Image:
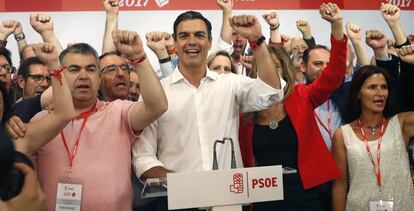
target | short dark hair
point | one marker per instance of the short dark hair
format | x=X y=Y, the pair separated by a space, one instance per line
x=79 y=48
x=308 y=50
x=6 y=53
x=24 y=67
x=117 y=53
x=191 y=15
x=359 y=77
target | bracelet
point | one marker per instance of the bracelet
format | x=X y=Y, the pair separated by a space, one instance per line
x=3 y=43
x=164 y=60
x=272 y=28
x=137 y=60
x=57 y=73
x=276 y=43
x=19 y=36
x=171 y=51
x=256 y=43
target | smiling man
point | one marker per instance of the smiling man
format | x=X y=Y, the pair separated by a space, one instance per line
x=204 y=106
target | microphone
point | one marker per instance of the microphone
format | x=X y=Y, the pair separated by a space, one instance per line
x=233 y=157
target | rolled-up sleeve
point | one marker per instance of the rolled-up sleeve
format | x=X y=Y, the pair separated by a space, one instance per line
x=255 y=94
x=144 y=150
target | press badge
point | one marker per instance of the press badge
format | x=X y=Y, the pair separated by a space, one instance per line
x=68 y=197
x=381 y=205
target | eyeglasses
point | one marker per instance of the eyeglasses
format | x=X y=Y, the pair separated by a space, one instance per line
x=7 y=68
x=111 y=69
x=38 y=78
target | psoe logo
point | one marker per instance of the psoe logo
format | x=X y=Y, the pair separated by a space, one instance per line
x=237 y=186
x=162 y=3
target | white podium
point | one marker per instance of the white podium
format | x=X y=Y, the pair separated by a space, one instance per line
x=227 y=190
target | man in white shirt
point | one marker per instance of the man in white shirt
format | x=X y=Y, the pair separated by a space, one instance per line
x=203 y=105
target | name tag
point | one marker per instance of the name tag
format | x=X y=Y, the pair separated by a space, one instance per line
x=68 y=197
x=381 y=205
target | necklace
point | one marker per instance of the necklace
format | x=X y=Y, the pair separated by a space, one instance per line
x=373 y=129
x=273 y=123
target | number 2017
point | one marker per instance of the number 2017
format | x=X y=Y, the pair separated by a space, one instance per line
x=400 y=3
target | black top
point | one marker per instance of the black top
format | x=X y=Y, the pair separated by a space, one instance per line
x=280 y=147
x=27 y=109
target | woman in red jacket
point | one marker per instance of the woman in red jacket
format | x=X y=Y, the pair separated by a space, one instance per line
x=287 y=134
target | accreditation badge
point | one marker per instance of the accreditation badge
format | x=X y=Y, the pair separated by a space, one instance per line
x=381 y=205
x=68 y=195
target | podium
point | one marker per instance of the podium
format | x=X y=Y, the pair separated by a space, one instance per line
x=219 y=190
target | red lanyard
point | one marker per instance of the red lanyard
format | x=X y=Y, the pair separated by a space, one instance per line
x=377 y=170
x=75 y=148
x=327 y=128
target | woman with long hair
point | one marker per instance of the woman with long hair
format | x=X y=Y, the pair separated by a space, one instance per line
x=371 y=150
x=287 y=133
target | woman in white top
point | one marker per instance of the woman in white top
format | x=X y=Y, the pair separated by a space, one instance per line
x=373 y=140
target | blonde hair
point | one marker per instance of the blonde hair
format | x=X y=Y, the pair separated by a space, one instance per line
x=212 y=56
x=276 y=52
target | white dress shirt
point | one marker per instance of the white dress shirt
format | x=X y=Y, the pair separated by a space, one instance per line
x=182 y=139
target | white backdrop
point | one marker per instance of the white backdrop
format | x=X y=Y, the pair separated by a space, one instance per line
x=88 y=27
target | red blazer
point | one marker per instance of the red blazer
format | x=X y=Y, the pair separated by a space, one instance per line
x=315 y=162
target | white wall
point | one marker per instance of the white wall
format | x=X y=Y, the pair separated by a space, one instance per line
x=89 y=26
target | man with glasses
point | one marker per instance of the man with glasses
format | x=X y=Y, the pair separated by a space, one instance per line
x=114 y=77
x=6 y=67
x=33 y=77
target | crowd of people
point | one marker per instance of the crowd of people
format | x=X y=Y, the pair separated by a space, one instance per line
x=102 y=124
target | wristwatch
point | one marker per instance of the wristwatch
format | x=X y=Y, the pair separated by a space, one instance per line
x=19 y=36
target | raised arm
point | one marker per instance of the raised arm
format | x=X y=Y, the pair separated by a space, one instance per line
x=249 y=27
x=7 y=27
x=157 y=43
x=354 y=33
x=20 y=38
x=111 y=24
x=391 y=15
x=42 y=23
x=154 y=100
x=332 y=75
x=272 y=20
x=226 y=30
x=339 y=185
x=376 y=40
x=305 y=28
x=40 y=132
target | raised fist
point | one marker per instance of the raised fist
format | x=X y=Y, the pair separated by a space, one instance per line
x=41 y=23
x=271 y=18
x=390 y=13
x=48 y=54
x=330 y=12
x=156 y=41
x=247 y=26
x=128 y=43
x=7 y=27
x=406 y=53
x=353 y=31
x=225 y=5
x=111 y=6
x=303 y=26
x=375 y=39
